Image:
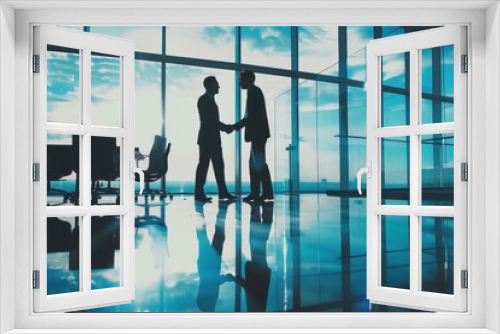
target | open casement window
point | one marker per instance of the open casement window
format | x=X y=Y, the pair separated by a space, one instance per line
x=417 y=155
x=84 y=182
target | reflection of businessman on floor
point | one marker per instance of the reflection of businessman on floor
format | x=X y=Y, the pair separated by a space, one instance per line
x=256 y=133
x=257 y=271
x=210 y=258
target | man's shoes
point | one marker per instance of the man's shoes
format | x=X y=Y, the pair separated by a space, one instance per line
x=251 y=197
x=203 y=198
x=227 y=196
x=266 y=197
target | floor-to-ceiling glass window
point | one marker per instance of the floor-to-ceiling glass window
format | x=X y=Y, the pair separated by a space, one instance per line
x=267 y=47
x=184 y=85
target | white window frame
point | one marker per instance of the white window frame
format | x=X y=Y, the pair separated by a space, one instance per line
x=483 y=212
x=414 y=43
x=86 y=43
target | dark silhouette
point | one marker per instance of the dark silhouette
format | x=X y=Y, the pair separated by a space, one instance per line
x=209 y=258
x=105 y=166
x=257 y=271
x=59 y=165
x=158 y=167
x=256 y=133
x=209 y=142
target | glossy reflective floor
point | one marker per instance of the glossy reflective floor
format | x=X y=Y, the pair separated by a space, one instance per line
x=303 y=253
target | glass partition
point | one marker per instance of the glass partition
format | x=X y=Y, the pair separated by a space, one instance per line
x=282 y=142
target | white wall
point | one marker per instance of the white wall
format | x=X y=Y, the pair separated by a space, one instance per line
x=484 y=217
x=492 y=152
x=7 y=162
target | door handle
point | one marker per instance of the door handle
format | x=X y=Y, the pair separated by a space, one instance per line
x=139 y=171
x=368 y=171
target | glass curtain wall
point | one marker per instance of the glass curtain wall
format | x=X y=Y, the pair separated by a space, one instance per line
x=329 y=67
x=313 y=80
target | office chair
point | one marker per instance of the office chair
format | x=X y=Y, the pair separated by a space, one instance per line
x=105 y=166
x=158 y=167
x=58 y=235
x=59 y=165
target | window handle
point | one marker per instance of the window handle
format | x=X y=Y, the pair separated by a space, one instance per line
x=139 y=171
x=368 y=171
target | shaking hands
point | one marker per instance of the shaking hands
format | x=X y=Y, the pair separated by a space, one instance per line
x=228 y=128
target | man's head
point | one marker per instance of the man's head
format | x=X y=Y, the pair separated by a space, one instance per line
x=247 y=78
x=211 y=85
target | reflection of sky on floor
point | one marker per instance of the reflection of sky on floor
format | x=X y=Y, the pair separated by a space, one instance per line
x=238 y=258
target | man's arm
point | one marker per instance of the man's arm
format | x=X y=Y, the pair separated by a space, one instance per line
x=238 y=125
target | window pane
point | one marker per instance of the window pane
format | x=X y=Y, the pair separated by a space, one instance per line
x=437 y=84
x=395 y=109
x=149 y=118
x=318 y=146
x=266 y=46
x=282 y=135
x=105 y=252
x=62 y=168
x=105 y=170
x=184 y=87
x=392 y=31
x=357 y=38
x=395 y=170
x=395 y=97
x=328 y=125
x=395 y=254
x=356 y=133
x=63 y=85
x=308 y=143
x=63 y=261
x=318 y=49
x=437 y=254
x=145 y=38
x=437 y=169
x=210 y=42
x=272 y=86
x=106 y=90
x=394 y=69
x=356 y=112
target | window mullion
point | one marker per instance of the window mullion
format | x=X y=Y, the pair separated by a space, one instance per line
x=85 y=179
x=415 y=188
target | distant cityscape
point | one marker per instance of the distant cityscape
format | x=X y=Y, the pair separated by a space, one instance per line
x=187 y=186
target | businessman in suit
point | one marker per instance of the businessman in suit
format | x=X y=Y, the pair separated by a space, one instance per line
x=256 y=133
x=209 y=143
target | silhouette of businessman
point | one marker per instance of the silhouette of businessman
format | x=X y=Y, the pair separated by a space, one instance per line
x=210 y=258
x=209 y=142
x=256 y=133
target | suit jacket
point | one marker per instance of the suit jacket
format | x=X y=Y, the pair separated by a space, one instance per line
x=255 y=120
x=210 y=124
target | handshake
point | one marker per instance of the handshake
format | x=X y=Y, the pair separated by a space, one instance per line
x=228 y=128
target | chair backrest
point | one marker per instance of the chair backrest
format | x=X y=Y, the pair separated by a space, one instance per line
x=59 y=161
x=104 y=162
x=76 y=154
x=158 y=158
